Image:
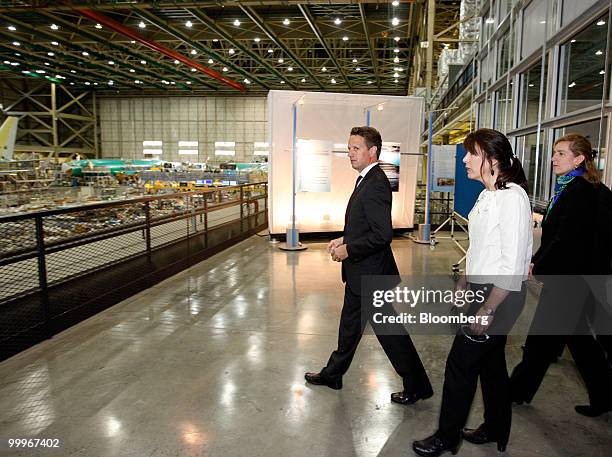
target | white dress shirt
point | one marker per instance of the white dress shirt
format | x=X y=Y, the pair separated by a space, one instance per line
x=500 y=238
x=364 y=172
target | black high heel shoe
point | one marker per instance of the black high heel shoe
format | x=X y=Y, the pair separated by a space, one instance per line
x=481 y=436
x=434 y=446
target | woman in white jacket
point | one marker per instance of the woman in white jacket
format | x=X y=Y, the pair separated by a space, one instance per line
x=497 y=263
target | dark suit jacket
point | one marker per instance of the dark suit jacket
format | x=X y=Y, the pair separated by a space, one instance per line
x=368 y=231
x=568 y=233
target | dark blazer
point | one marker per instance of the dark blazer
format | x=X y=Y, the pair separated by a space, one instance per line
x=368 y=230
x=568 y=233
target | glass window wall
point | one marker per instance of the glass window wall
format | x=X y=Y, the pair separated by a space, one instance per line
x=503 y=110
x=528 y=151
x=530 y=95
x=582 y=67
x=534 y=27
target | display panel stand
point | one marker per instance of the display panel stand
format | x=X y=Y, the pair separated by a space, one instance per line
x=293 y=237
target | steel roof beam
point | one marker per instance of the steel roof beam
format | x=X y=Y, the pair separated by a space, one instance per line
x=210 y=23
x=259 y=22
x=151 y=44
x=373 y=52
x=122 y=49
x=166 y=27
x=310 y=19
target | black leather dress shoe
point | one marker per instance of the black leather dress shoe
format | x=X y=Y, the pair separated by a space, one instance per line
x=404 y=398
x=481 y=436
x=434 y=446
x=321 y=380
x=592 y=411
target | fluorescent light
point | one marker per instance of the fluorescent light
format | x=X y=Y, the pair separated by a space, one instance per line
x=395 y=21
x=303 y=80
x=281 y=60
x=111 y=82
x=598 y=53
x=225 y=69
x=210 y=61
x=193 y=52
x=345 y=38
x=354 y=60
x=602 y=22
x=256 y=39
x=50 y=54
x=188 y=83
x=282 y=82
x=247 y=81
x=142 y=25
x=133 y=41
x=98 y=26
x=337 y=21
x=15 y=64
x=396 y=60
x=323 y=69
x=16 y=43
x=237 y=23
x=188 y=152
x=55 y=43
x=189 y=24
x=41 y=72
x=193 y=70
x=12 y=28
x=396 y=50
x=132 y=70
x=286 y=21
x=85 y=53
x=176 y=61
x=152 y=143
x=144 y=62
x=225 y=152
x=572 y=84
x=54 y=27
x=184 y=144
x=225 y=144
x=333 y=81
x=602 y=72
x=542 y=22
x=111 y=62
x=270 y=51
x=395 y=80
x=369 y=82
x=395 y=3
x=289 y=68
x=152 y=151
x=396 y=75
x=573 y=41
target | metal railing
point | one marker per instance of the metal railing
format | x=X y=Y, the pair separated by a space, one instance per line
x=60 y=266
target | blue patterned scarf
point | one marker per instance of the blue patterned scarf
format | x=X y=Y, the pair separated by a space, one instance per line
x=561 y=184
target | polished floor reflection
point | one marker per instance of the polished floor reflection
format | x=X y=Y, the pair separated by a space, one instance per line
x=211 y=361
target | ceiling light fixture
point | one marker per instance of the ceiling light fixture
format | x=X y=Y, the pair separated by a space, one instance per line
x=602 y=22
x=286 y=21
x=144 y=62
x=55 y=43
x=193 y=70
x=337 y=21
x=85 y=53
x=598 y=53
x=189 y=24
x=354 y=60
x=256 y=39
x=358 y=69
x=132 y=70
x=396 y=75
x=270 y=51
x=344 y=38
x=396 y=38
x=98 y=26
x=12 y=28
x=224 y=68
x=210 y=61
x=490 y=20
x=289 y=68
x=16 y=43
x=323 y=69
x=142 y=25
x=395 y=21
x=396 y=50
x=193 y=52
x=369 y=82
x=237 y=23
x=333 y=81
x=303 y=80
x=231 y=51
x=282 y=82
x=281 y=60
x=176 y=61
x=54 y=27
x=50 y=54
x=246 y=81
x=396 y=60
x=111 y=62
x=395 y=3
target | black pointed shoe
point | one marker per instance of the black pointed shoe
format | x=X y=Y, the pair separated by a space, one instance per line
x=592 y=411
x=319 y=379
x=434 y=446
x=481 y=436
x=404 y=398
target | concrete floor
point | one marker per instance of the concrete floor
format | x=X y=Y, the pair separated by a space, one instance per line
x=211 y=363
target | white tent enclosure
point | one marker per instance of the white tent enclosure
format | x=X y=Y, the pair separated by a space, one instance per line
x=319 y=124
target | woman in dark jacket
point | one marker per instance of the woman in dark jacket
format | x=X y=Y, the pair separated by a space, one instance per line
x=567 y=252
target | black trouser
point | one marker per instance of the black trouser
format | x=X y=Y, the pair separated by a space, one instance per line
x=540 y=350
x=467 y=361
x=399 y=347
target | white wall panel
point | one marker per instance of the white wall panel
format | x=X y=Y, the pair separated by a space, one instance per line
x=125 y=123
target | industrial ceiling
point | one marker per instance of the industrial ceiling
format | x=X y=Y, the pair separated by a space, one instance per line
x=217 y=48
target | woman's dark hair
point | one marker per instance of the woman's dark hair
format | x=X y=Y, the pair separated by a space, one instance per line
x=579 y=145
x=494 y=145
x=371 y=136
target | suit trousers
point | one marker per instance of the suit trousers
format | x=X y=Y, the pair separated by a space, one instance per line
x=398 y=346
x=467 y=361
x=541 y=350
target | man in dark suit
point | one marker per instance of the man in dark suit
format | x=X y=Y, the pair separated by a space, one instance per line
x=365 y=249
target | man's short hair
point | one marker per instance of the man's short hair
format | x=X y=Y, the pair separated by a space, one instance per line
x=371 y=136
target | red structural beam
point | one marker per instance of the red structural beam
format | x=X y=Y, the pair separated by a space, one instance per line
x=134 y=35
